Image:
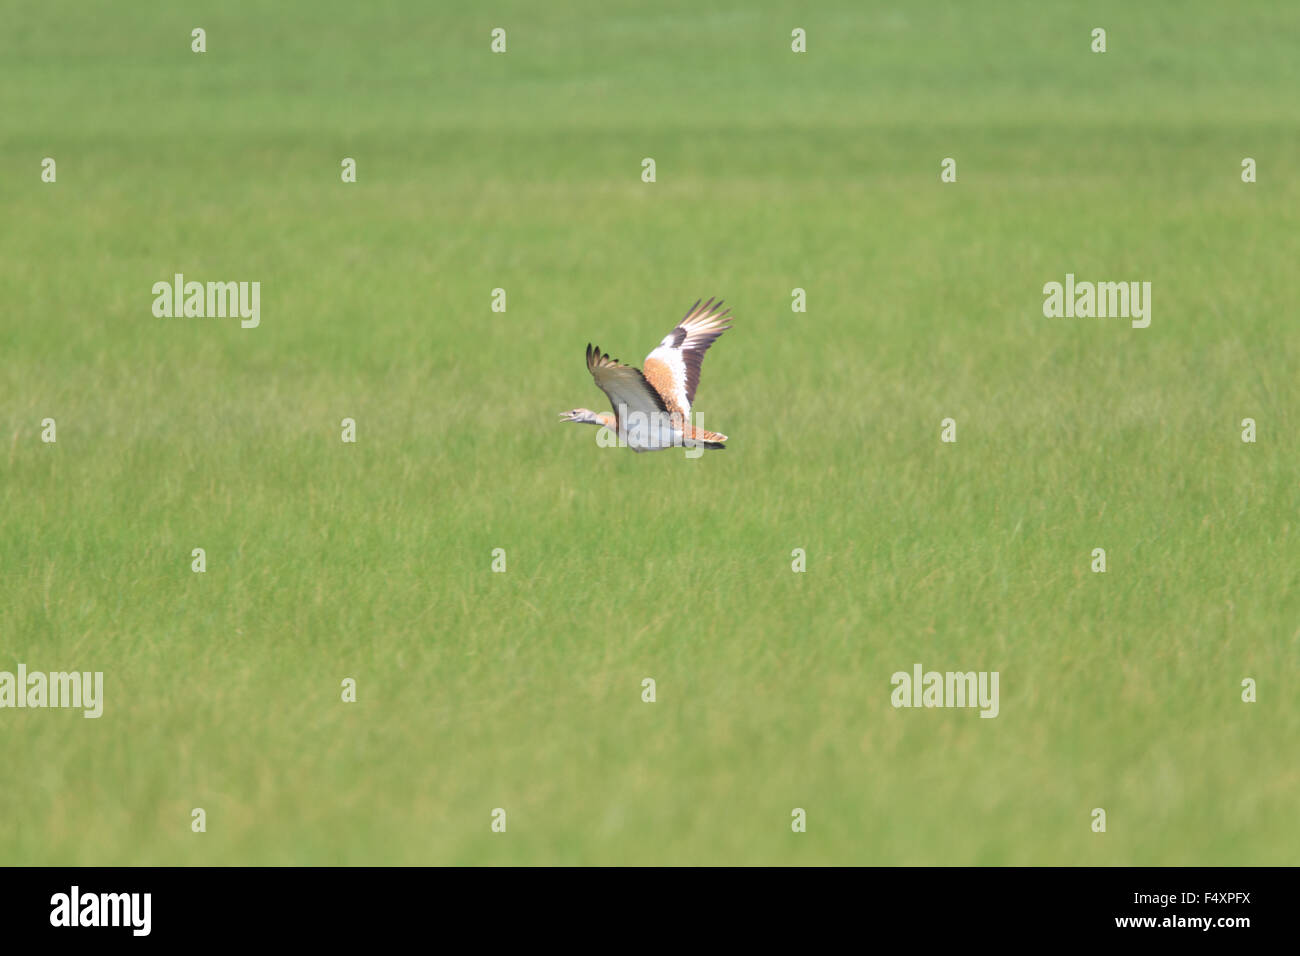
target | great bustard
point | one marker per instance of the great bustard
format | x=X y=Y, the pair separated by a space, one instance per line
x=652 y=408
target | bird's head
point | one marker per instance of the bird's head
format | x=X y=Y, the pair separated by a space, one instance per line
x=580 y=415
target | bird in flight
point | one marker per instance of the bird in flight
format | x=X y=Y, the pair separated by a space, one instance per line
x=652 y=406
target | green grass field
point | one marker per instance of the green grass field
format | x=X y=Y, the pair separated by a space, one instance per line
x=775 y=171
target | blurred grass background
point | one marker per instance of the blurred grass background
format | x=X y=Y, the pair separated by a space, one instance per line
x=522 y=690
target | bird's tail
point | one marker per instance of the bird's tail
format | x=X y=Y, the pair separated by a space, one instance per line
x=707 y=439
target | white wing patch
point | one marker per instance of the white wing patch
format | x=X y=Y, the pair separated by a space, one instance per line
x=665 y=369
x=673 y=369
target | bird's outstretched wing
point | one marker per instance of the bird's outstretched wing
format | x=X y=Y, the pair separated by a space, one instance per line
x=673 y=369
x=624 y=385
